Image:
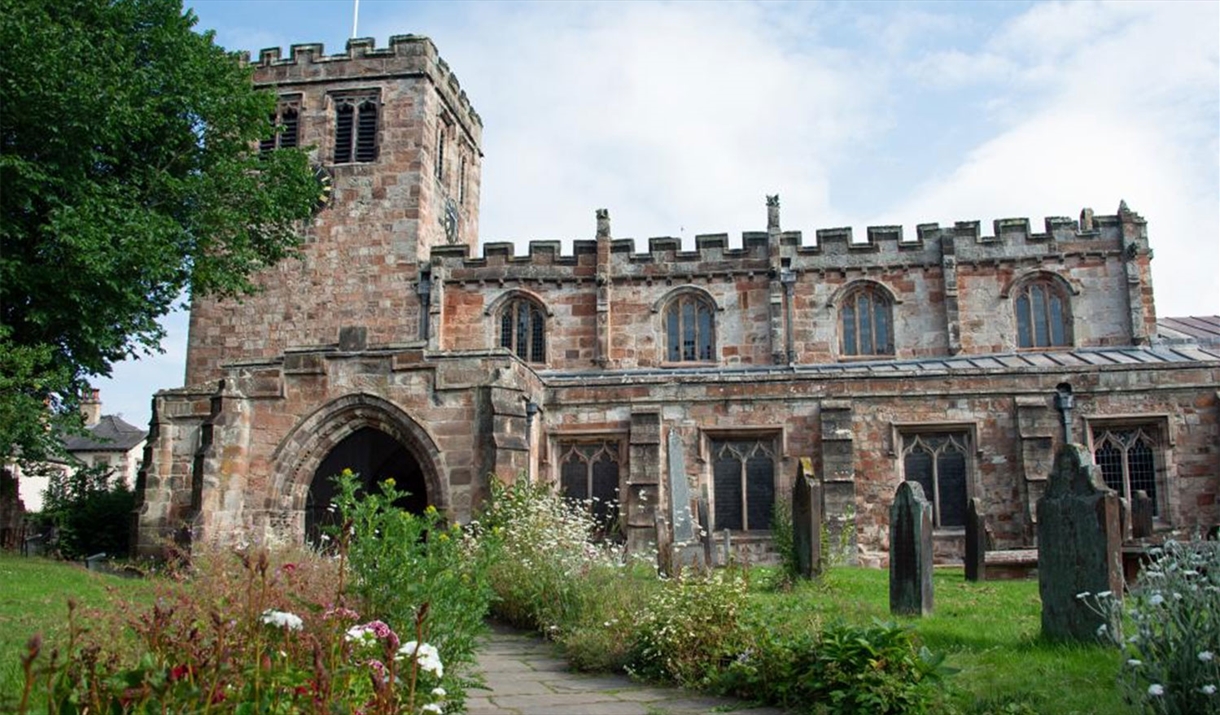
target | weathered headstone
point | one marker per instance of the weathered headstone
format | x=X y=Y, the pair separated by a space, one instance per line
x=679 y=492
x=1141 y=515
x=1078 y=547
x=807 y=520
x=910 y=551
x=976 y=542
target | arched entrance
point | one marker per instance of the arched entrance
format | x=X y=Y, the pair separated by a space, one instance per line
x=373 y=455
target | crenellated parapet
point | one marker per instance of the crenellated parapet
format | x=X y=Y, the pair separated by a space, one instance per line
x=1010 y=239
x=407 y=55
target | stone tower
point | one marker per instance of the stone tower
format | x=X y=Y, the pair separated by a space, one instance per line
x=396 y=147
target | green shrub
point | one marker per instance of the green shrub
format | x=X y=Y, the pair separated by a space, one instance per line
x=691 y=628
x=783 y=539
x=1171 y=658
x=416 y=570
x=91 y=509
x=841 y=669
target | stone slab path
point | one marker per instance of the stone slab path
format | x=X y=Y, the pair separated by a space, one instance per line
x=525 y=676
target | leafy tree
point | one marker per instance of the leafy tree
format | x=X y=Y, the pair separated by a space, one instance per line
x=129 y=173
x=90 y=508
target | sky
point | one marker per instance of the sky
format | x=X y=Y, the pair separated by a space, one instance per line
x=680 y=117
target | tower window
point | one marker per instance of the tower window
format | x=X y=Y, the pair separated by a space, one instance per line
x=523 y=330
x=356 y=129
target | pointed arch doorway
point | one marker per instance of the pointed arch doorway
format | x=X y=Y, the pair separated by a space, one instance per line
x=375 y=456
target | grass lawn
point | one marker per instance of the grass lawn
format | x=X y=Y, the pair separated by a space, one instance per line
x=988 y=630
x=990 y=633
x=34 y=595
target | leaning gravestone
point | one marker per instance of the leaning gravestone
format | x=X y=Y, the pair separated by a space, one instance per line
x=685 y=548
x=976 y=542
x=807 y=520
x=1141 y=515
x=910 y=552
x=1078 y=547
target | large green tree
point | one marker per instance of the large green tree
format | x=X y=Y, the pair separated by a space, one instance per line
x=129 y=173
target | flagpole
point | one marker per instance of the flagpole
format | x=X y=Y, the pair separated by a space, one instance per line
x=355 y=17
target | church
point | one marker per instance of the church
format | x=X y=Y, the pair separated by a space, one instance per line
x=660 y=379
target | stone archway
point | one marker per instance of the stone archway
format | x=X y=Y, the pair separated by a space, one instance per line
x=375 y=437
x=375 y=457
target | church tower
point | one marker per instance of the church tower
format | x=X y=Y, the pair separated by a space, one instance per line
x=396 y=147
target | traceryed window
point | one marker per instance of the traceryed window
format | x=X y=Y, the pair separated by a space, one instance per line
x=866 y=325
x=287 y=124
x=938 y=462
x=690 y=328
x=743 y=483
x=356 y=117
x=1128 y=456
x=523 y=329
x=1043 y=314
x=589 y=475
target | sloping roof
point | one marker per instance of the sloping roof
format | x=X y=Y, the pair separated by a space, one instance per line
x=1202 y=328
x=110 y=434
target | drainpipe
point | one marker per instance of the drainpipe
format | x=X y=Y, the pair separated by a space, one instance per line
x=788 y=278
x=1064 y=403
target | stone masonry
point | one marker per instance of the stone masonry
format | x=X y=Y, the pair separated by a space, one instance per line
x=389 y=323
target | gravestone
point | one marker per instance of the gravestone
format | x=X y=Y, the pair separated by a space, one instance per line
x=807 y=520
x=1078 y=547
x=1141 y=515
x=685 y=548
x=910 y=552
x=976 y=542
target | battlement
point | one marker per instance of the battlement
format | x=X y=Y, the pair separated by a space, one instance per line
x=406 y=55
x=1010 y=239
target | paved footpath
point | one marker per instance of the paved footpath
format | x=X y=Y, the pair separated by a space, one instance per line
x=525 y=676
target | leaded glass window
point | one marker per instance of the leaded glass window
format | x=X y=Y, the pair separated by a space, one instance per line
x=1127 y=458
x=589 y=477
x=743 y=484
x=938 y=463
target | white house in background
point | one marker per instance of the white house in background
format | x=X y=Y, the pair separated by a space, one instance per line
x=108 y=441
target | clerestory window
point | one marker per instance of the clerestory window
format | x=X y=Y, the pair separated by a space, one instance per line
x=690 y=329
x=866 y=325
x=356 y=118
x=1043 y=315
x=523 y=330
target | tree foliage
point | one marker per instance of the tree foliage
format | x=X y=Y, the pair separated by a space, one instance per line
x=91 y=509
x=130 y=173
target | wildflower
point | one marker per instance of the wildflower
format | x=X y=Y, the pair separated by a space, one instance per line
x=283 y=619
x=1082 y=595
x=1156 y=689
x=434 y=708
x=1105 y=594
x=1102 y=630
x=340 y=612
x=1206 y=656
x=426 y=656
x=439 y=692
x=1208 y=689
x=1134 y=663
x=1156 y=600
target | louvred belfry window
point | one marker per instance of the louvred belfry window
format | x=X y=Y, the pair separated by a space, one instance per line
x=743 y=484
x=287 y=123
x=356 y=129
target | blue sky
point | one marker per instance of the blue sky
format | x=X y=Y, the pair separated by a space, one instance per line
x=680 y=117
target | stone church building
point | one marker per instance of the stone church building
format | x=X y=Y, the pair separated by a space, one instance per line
x=634 y=373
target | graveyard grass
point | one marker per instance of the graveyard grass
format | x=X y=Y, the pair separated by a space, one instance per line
x=988 y=630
